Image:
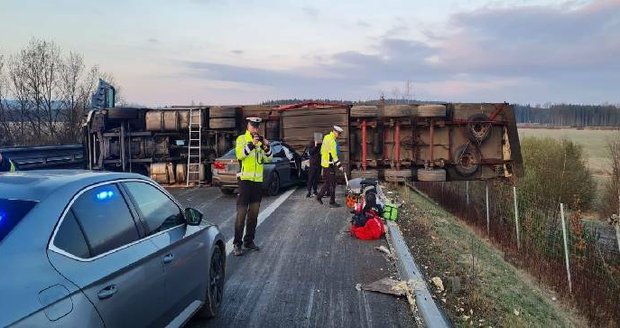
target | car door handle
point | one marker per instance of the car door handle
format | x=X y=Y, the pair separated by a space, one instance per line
x=168 y=258
x=107 y=292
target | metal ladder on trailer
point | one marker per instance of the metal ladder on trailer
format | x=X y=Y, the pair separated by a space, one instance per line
x=194 y=146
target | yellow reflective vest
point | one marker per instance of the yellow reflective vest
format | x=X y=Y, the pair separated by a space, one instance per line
x=8 y=168
x=329 y=151
x=251 y=160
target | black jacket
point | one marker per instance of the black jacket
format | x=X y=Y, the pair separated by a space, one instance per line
x=315 y=154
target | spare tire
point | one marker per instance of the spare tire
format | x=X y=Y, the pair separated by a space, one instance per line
x=431 y=111
x=364 y=111
x=397 y=111
x=479 y=128
x=222 y=123
x=222 y=112
x=467 y=160
x=431 y=175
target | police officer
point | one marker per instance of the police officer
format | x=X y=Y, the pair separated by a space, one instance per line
x=252 y=151
x=329 y=162
x=6 y=165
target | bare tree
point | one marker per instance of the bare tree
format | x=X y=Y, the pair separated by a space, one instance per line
x=34 y=75
x=5 y=132
x=49 y=94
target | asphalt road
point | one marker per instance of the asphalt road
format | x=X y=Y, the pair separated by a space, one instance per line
x=306 y=271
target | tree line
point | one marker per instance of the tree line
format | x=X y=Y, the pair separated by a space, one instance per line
x=569 y=115
x=44 y=93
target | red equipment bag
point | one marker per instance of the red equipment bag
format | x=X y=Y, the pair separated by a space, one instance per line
x=373 y=229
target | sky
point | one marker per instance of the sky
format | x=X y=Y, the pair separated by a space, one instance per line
x=166 y=52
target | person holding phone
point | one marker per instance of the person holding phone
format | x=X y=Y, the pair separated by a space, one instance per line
x=252 y=151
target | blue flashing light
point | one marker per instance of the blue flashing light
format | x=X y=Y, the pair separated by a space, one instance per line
x=103 y=195
x=1 y=217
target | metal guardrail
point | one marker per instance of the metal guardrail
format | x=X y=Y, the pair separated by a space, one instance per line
x=46 y=157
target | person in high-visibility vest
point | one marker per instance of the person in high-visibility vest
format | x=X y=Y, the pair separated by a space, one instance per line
x=252 y=151
x=6 y=165
x=329 y=162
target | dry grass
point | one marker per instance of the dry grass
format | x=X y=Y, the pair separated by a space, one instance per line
x=483 y=288
x=594 y=144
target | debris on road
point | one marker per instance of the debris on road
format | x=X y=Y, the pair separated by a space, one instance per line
x=388 y=286
x=384 y=249
x=438 y=283
x=358 y=287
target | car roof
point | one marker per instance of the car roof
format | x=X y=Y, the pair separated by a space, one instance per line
x=36 y=185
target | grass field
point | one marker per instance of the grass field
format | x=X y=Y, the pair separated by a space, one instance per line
x=594 y=144
x=482 y=288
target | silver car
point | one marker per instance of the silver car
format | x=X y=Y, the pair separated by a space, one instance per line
x=284 y=170
x=86 y=249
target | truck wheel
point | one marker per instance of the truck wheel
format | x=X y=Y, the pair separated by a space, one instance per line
x=222 y=123
x=364 y=111
x=397 y=111
x=431 y=111
x=215 y=284
x=430 y=175
x=478 y=128
x=397 y=175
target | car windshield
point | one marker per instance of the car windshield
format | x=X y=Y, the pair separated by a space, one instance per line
x=12 y=211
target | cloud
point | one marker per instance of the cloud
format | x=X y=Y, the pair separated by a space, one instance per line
x=153 y=40
x=312 y=12
x=361 y=23
x=534 y=41
x=526 y=53
x=237 y=52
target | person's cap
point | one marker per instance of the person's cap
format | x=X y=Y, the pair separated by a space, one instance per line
x=338 y=129
x=255 y=121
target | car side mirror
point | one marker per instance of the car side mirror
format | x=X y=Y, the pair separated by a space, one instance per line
x=193 y=216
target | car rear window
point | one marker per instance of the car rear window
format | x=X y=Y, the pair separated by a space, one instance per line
x=12 y=211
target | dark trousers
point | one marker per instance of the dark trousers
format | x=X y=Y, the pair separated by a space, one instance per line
x=248 y=206
x=330 y=184
x=314 y=174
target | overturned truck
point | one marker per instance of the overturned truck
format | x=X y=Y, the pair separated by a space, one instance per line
x=422 y=142
x=434 y=142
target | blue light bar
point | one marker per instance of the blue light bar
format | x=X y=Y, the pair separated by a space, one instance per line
x=103 y=195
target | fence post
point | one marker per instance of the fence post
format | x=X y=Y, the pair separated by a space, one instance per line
x=514 y=191
x=486 y=184
x=467 y=192
x=570 y=285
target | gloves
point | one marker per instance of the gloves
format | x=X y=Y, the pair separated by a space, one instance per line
x=266 y=148
x=250 y=146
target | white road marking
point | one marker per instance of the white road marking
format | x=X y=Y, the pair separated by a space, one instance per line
x=263 y=215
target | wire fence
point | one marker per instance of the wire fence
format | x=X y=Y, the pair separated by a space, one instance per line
x=594 y=285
